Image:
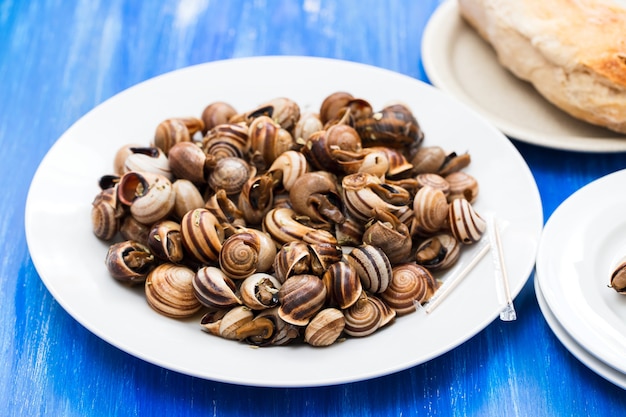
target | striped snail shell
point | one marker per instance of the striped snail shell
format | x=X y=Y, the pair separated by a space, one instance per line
x=214 y=289
x=465 y=223
x=372 y=266
x=260 y=291
x=246 y=252
x=169 y=291
x=106 y=214
x=202 y=235
x=430 y=208
x=150 y=196
x=410 y=283
x=343 y=286
x=325 y=328
x=300 y=297
x=366 y=316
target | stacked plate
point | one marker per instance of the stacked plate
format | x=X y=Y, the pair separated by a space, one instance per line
x=582 y=242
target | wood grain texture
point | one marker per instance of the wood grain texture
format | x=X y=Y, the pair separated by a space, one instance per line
x=60 y=59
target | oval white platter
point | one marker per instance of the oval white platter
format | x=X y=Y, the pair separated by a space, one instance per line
x=460 y=62
x=67 y=180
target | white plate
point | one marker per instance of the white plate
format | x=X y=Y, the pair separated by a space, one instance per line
x=460 y=62
x=581 y=243
x=70 y=260
x=593 y=363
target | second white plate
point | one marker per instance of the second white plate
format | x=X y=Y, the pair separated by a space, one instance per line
x=460 y=62
x=581 y=243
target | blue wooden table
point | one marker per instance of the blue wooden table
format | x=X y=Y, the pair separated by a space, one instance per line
x=59 y=59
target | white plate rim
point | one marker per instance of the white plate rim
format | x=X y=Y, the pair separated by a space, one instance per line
x=525 y=223
x=442 y=30
x=584 y=312
x=590 y=361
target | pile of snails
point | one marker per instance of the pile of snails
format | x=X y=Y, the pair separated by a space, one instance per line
x=278 y=226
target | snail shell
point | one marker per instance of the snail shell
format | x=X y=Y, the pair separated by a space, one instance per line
x=410 y=283
x=226 y=211
x=293 y=258
x=188 y=197
x=433 y=180
x=260 y=291
x=227 y=140
x=169 y=291
x=438 y=252
x=233 y=320
x=323 y=255
x=300 y=297
x=363 y=192
x=320 y=148
x=282 y=226
x=428 y=159
x=308 y=124
x=394 y=127
x=325 y=328
x=202 y=235
x=343 y=286
x=372 y=266
x=430 y=208
x=129 y=262
x=333 y=104
x=465 y=223
x=315 y=194
x=389 y=234
x=170 y=132
x=256 y=197
x=462 y=185
x=246 y=252
x=188 y=161
x=282 y=110
x=216 y=113
x=618 y=278
x=282 y=332
x=214 y=289
x=210 y=321
x=150 y=196
x=363 y=317
x=288 y=167
x=106 y=214
x=150 y=159
x=165 y=242
x=267 y=141
x=230 y=174
x=131 y=229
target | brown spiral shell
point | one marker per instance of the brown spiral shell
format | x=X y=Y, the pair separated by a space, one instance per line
x=106 y=214
x=325 y=328
x=202 y=235
x=170 y=132
x=227 y=140
x=169 y=291
x=239 y=257
x=362 y=318
x=230 y=174
x=293 y=258
x=343 y=286
x=300 y=297
x=372 y=266
x=430 y=208
x=214 y=289
x=410 y=283
x=465 y=223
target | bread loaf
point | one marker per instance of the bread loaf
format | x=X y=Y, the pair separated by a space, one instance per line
x=572 y=51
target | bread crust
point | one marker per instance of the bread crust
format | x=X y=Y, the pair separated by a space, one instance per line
x=572 y=51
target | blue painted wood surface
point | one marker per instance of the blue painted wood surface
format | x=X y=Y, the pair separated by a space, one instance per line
x=59 y=59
